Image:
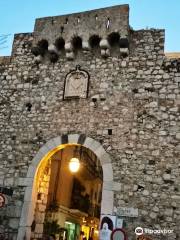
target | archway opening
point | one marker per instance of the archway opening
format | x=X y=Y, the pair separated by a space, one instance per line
x=60 y=43
x=94 y=41
x=113 y=39
x=42 y=45
x=76 y=43
x=68 y=204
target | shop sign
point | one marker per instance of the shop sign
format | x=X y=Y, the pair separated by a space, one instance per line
x=119 y=223
x=127 y=212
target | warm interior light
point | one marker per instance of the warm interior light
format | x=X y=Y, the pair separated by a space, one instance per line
x=67 y=222
x=96 y=232
x=74 y=165
x=84 y=220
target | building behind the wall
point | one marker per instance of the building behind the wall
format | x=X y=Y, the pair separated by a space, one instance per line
x=130 y=104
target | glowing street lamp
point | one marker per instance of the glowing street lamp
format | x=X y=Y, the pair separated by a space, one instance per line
x=74 y=165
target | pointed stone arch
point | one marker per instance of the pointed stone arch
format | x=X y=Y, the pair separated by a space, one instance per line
x=52 y=146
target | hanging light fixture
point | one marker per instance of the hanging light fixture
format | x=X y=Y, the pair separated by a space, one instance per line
x=75 y=161
x=74 y=165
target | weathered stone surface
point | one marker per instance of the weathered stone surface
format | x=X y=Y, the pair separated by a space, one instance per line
x=132 y=109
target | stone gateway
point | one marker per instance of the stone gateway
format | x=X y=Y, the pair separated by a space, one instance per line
x=87 y=84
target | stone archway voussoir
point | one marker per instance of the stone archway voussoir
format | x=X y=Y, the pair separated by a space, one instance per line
x=88 y=142
x=111 y=185
x=73 y=138
x=40 y=155
x=57 y=141
x=26 y=215
x=91 y=144
x=107 y=172
x=24 y=232
x=32 y=170
x=103 y=156
x=50 y=145
x=107 y=202
x=25 y=182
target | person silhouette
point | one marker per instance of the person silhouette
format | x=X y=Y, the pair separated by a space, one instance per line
x=106 y=228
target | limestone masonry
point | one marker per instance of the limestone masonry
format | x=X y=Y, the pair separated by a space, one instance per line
x=92 y=75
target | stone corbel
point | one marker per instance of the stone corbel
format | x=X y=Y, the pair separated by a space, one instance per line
x=70 y=55
x=69 y=51
x=52 y=48
x=104 y=45
x=68 y=47
x=124 y=51
x=105 y=52
x=53 y=53
x=124 y=45
x=85 y=46
x=38 y=59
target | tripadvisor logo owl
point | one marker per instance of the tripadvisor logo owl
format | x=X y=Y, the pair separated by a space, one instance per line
x=139 y=231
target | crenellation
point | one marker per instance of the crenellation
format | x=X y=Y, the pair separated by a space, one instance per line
x=72 y=24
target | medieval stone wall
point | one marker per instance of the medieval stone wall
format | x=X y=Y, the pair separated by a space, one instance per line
x=133 y=109
x=83 y=24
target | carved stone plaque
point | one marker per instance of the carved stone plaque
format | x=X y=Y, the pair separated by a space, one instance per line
x=76 y=84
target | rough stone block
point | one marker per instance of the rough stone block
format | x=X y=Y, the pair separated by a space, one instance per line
x=107 y=172
x=73 y=138
x=107 y=202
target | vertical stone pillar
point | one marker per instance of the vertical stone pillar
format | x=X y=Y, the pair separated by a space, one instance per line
x=43 y=179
